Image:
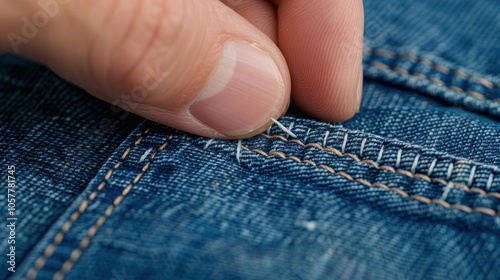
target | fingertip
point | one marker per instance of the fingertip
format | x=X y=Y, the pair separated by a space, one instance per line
x=178 y=63
x=324 y=55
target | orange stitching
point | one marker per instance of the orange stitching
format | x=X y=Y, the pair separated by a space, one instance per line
x=430 y=64
x=435 y=81
x=410 y=56
x=386 y=167
x=49 y=250
x=75 y=255
x=483 y=81
x=461 y=74
x=423 y=199
x=477 y=95
x=385 y=53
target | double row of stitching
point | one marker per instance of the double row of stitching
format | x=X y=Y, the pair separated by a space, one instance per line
x=49 y=250
x=475 y=94
x=84 y=243
x=428 y=63
x=381 y=65
x=423 y=199
x=391 y=169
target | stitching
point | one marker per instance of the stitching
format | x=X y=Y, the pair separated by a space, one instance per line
x=422 y=199
x=415 y=163
x=447 y=190
x=441 y=68
x=76 y=253
x=209 y=142
x=471 y=176
x=290 y=127
x=49 y=250
x=307 y=134
x=391 y=169
x=362 y=147
x=398 y=158
x=449 y=172
x=238 y=151
x=431 y=168
x=435 y=81
x=286 y=130
x=326 y=138
x=380 y=154
x=344 y=144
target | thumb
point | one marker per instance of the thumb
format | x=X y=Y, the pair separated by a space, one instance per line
x=194 y=65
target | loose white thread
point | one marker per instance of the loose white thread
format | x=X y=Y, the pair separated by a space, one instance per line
x=380 y=153
x=143 y=157
x=238 y=151
x=290 y=127
x=344 y=144
x=414 y=165
x=471 y=176
x=398 y=158
x=209 y=142
x=362 y=148
x=447 y=190
x=284 y=128
x=450 y=171
x=431 y=168
x=326 y=138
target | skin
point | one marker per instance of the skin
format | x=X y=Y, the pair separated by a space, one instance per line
x=107 y=47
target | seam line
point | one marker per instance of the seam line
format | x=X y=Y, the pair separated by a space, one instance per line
x=49 y=250
x=391 y=169
x=424 y=61
x=423 y=199
x=76 y=253
x=435 y=81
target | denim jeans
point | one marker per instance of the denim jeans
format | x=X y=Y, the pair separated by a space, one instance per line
x=407 y=189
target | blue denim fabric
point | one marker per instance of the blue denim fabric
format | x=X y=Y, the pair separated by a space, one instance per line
x=57 y=137
x=407 y=189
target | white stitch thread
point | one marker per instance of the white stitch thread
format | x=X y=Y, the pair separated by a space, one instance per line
x=447 y=190
x=344 y=144
x=326 y=138
x=449 y=172
x=238 y=151
x=209 y=142
x=414 y=165
x=307 y=135
x=380 y=154
x=284 y=128
x=490 y=182
x=143 y=157
x=290 y=127
x=398 y=158
x=471 y=176
x=268 y=131
x=310 y=225
x=361 y=149
x=431 y=168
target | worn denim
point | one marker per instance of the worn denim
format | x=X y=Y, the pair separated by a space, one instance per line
x=407 y=189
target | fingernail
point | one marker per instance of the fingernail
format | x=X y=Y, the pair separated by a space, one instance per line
x=243 y=94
